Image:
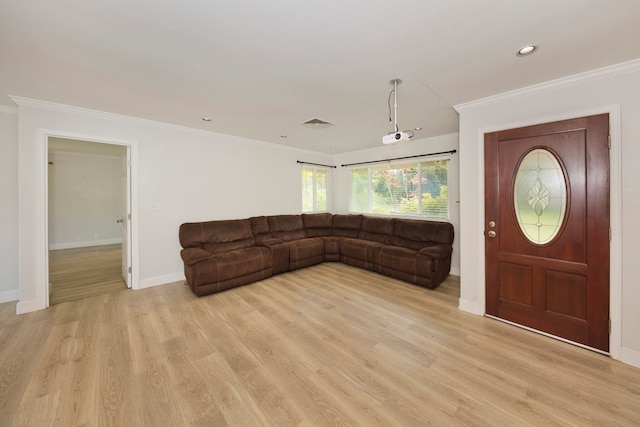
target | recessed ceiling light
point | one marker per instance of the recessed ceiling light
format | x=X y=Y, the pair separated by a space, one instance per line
x=527 y=50
x=418 y=128
x=206 y=119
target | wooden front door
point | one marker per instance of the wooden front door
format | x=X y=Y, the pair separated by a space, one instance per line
x=547 y=228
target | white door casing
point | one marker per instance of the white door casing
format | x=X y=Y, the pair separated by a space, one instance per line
x=40 y=260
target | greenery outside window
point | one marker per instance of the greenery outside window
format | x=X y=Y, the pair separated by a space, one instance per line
x=412 y=189
x=314 y=190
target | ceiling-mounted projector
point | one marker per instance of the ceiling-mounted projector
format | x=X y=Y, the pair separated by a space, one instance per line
x=394 y=137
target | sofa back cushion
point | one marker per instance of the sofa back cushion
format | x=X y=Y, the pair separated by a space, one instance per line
x=416 y=234
x=317 y=224
x=260 y=228
x=376 y=229
x=286 y=227
x=217 y=236
x=347 y=225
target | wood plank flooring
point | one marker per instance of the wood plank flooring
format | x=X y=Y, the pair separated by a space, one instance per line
x=321 y=346
x=85 y=272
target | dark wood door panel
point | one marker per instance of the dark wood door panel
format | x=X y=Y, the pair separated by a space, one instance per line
x=522 y=276
x=552 y=323
x=566 y=294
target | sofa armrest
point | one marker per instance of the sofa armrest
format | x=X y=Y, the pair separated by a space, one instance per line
x=269 y=242
x=191 y=256
x=437 y=251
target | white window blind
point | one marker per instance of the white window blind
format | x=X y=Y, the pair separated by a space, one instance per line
x=413 y=189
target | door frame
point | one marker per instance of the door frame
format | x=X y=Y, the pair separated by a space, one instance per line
x=133 y=244
x=615 y=203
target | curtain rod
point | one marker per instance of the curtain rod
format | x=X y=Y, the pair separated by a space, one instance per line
x=401 y=158
x=315 y=164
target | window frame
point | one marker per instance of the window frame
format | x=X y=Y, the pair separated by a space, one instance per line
x=314 y=190
x=399 y=165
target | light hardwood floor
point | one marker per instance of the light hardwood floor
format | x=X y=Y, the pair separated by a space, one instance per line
x=85 y=272
x=326 y=345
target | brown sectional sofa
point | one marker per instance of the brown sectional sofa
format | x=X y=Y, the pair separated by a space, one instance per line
x=219 y=255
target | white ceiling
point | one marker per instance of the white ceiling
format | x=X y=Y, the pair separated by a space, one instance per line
x=260 y=68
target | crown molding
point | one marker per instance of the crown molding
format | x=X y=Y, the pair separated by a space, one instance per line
x=6 y=109
x=46 y=105
x=576 y=79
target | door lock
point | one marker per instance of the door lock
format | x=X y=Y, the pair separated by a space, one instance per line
x=491 y=234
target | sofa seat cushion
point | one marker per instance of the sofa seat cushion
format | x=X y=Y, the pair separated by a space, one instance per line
x=332 y=247
x=406 y=260
x=437 y=251
x=305 y=252
x=361 y=253
x=228 y=265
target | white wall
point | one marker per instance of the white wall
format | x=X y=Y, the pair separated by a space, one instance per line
x=341 y=179
x=85 y=199
x=190 y=175
x=615 y=90
x=8 y=204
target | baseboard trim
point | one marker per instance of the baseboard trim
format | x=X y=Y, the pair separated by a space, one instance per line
x=470 y=307
x=84 y=244
x=161 y=280
x=28 y=306
x=630 y=357
x=8 y=296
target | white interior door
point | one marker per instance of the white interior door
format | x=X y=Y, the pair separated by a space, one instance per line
x=125 y=217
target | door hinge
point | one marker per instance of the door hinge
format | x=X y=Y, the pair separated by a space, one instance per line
x=609 y=234
x=609 y=142
x=609 y=326
x=128 y=216
x=129 y=269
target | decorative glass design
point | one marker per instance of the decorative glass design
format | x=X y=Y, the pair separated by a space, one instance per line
x=540 y=196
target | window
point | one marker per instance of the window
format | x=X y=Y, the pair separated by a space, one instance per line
x=418 y=189
x=314 y=190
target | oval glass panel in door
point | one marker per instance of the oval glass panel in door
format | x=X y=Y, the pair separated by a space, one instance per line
x=540 y=196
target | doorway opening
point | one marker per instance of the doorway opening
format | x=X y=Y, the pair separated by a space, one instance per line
x=88 y=218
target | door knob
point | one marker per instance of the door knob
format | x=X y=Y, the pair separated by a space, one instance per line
x=491 y=234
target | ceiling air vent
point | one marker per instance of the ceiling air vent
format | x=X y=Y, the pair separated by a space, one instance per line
x=316 y=124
